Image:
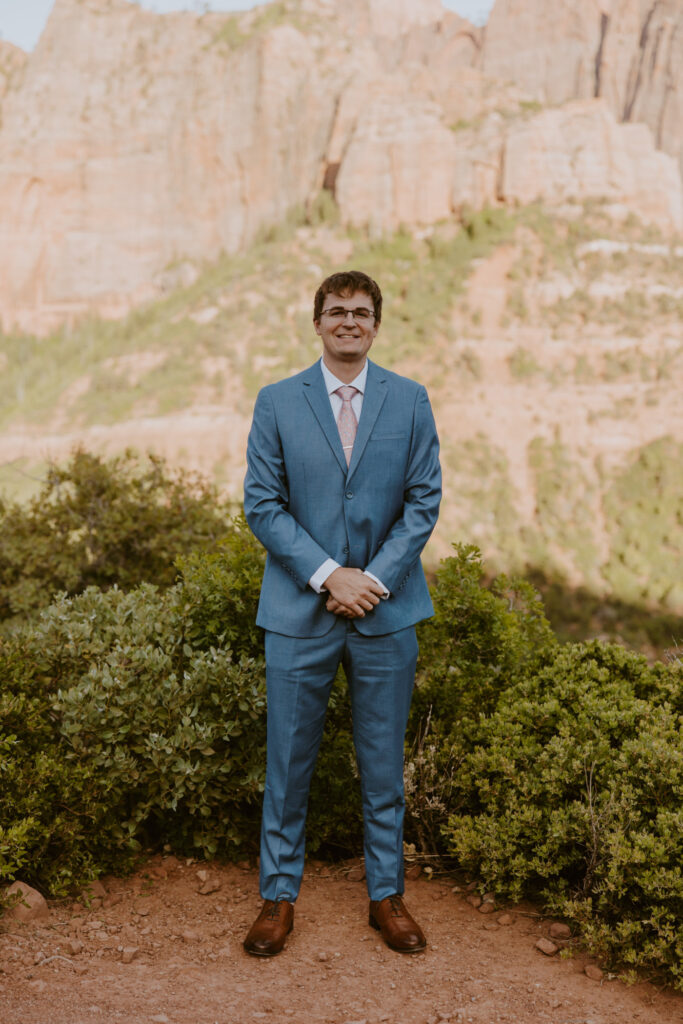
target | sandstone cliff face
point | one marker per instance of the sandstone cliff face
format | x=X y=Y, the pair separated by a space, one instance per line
x=130 y=140
x=575 y=152
x=397 y=165
x=579 y=151
x=630 y=52
x=390 y=19
x=153 y=140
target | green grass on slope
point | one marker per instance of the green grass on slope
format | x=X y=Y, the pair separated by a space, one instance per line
x=246 y=319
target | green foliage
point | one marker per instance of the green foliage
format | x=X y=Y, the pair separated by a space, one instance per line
x=548 y=771
x=135 y=719
x=236 y=31
x=523 y=364
x=221 y=590
x=137 y=735
x=479 y=640
x=175 y=736
x=323 y=209
x=570 y=789
x=100 y=522
x=49 y=814
x=517 y=307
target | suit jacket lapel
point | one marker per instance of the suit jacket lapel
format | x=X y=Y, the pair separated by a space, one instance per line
x=373 y=400
x=317 y=397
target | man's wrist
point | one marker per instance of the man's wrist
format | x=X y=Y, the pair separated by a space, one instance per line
x=318 y=578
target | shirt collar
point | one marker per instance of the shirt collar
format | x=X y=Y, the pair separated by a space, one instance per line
x=332 y=383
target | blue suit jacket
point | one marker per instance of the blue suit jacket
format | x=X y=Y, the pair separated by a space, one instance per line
x=305 y=506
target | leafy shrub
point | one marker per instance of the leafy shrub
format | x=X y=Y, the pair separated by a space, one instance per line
x=478 y=642
x=221 y=591
x=570 y=789
x=99 y=523
x=134 y=719
x=142 y=739
x=47 y=815
x=174 y=736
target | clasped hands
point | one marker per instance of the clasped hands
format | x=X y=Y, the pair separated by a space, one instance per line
x=352 y=593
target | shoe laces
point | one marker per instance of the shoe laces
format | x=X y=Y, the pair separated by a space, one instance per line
x=396 y=907
x=273 y=912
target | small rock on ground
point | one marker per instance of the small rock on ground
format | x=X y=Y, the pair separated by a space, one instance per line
x=357 y=872
x=547 y=947
x=93 y=890
x=32 y=905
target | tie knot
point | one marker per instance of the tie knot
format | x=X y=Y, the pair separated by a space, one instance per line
x=346 y=392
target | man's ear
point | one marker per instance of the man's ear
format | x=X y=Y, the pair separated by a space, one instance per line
x=316 y=324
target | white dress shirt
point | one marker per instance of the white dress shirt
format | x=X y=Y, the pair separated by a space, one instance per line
x=332 y=383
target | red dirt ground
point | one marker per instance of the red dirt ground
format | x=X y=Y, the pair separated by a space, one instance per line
x=189 y=966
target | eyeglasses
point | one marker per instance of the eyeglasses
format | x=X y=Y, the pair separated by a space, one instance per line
x=360 y=315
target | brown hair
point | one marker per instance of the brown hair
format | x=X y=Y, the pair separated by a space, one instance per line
x=346 y=283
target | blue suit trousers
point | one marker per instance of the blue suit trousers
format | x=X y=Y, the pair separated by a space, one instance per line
x=300 y=671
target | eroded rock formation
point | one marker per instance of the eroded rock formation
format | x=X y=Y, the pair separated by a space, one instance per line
x=629 y=52
x=575 y=152
x=130 y=140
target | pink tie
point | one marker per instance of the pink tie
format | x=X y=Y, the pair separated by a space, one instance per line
x=346 y=420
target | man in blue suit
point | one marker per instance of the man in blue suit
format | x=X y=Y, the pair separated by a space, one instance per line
x=342 y=488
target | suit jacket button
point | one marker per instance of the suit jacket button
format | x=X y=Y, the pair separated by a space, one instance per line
x=346 y=550
x=349 y=494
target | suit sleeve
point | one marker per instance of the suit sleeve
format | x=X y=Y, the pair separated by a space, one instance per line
x=266 y=499
x=402 y=546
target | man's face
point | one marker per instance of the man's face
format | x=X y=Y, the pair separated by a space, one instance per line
x=348 y=338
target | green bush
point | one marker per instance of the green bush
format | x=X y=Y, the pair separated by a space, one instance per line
x=48 y=818
x=140 y=738
x=221 y=590
x=478 y=642
x=134 y=719
x=570 y=790
x=102 y=522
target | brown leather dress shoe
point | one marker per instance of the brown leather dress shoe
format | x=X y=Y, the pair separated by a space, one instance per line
x=400 y=932
x=268 y=933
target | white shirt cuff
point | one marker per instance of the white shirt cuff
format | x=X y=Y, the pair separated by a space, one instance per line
x=385 y=595
x=320 y=575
